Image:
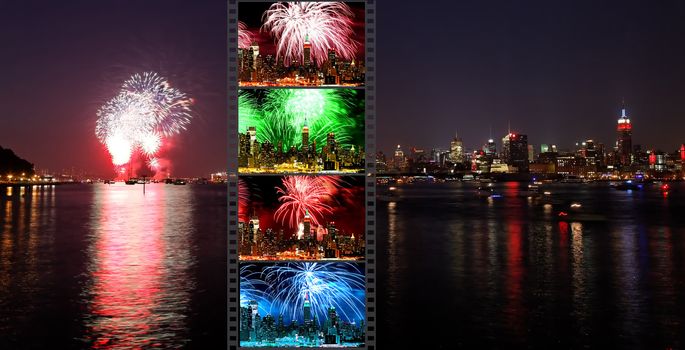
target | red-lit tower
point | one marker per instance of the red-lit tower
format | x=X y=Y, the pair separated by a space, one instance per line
x=682 y=152
x=307 y=51
x=624 y=140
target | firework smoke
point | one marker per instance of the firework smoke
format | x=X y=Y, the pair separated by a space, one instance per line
x=324 y=25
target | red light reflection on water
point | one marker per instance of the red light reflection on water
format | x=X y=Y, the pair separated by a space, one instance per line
x=515 y=310
x=130 y=303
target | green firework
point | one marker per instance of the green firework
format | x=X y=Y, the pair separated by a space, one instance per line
x=280 y=115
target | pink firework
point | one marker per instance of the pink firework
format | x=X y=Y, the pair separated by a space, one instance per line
x=301 y=195
x=244 y=36
x=321 y=26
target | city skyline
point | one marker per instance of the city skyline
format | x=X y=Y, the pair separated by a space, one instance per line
x=496 y=137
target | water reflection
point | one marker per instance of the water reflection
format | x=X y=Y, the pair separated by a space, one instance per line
x=506 y=272
x=139 y=257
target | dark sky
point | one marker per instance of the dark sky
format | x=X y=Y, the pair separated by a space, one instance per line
x=557 y=70
x=61 y=60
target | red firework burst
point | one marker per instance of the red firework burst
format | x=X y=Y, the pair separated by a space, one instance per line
x=305 y=194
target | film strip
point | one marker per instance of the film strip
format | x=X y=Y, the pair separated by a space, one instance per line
x=253 y=252
x=370 y=37
x=233 y=297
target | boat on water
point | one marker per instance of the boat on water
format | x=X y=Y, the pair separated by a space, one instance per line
x=574 y=211
x=629 y=186
x=571 y=179
x=179 y=182
x=131 y=181
x=531 y=191
x=388 y=195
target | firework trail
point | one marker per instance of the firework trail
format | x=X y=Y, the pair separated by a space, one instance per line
x=325 y=25
x=252 y=287
x=340 y=285
x=146 y=110
x=245 y=37
x=285 y=112
x=243 y=200
x=302 y=194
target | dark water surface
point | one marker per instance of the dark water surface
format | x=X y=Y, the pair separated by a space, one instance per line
x=104 y=266
x=459 y=270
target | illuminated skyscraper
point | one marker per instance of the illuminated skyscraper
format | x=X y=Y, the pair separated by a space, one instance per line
x=254 y=227
x=307 y=51
x=307 y=225
x=515 y=151
x=624 y=140
x=400 y=162
x=331 y=57
x=307 y=310
x=255 y=52
x=457 y=150
x=305 y=137
x=490 y=148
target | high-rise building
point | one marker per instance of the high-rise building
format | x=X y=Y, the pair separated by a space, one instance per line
x=515 y=151
x=331 y=57
x=255 y=52
x=254 y=227
x=531 y=153
x=307 y=225
x=305 y=137
x=307 y=309
x=624 y=139
x=490 y=148
x=457 y=149
x=400 y=161
x=589 y=152
x=307 y=51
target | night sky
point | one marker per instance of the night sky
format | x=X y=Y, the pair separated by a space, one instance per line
x=61 y=60
x=556 y=70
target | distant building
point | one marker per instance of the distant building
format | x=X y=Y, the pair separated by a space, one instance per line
x=400 y=161
x=457 y=150
x=515 y=151
x=624 y=139
x=531 y=154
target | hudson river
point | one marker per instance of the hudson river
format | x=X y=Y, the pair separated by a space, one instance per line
x=102 y=266
x=456 y=269
x=99 y=266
